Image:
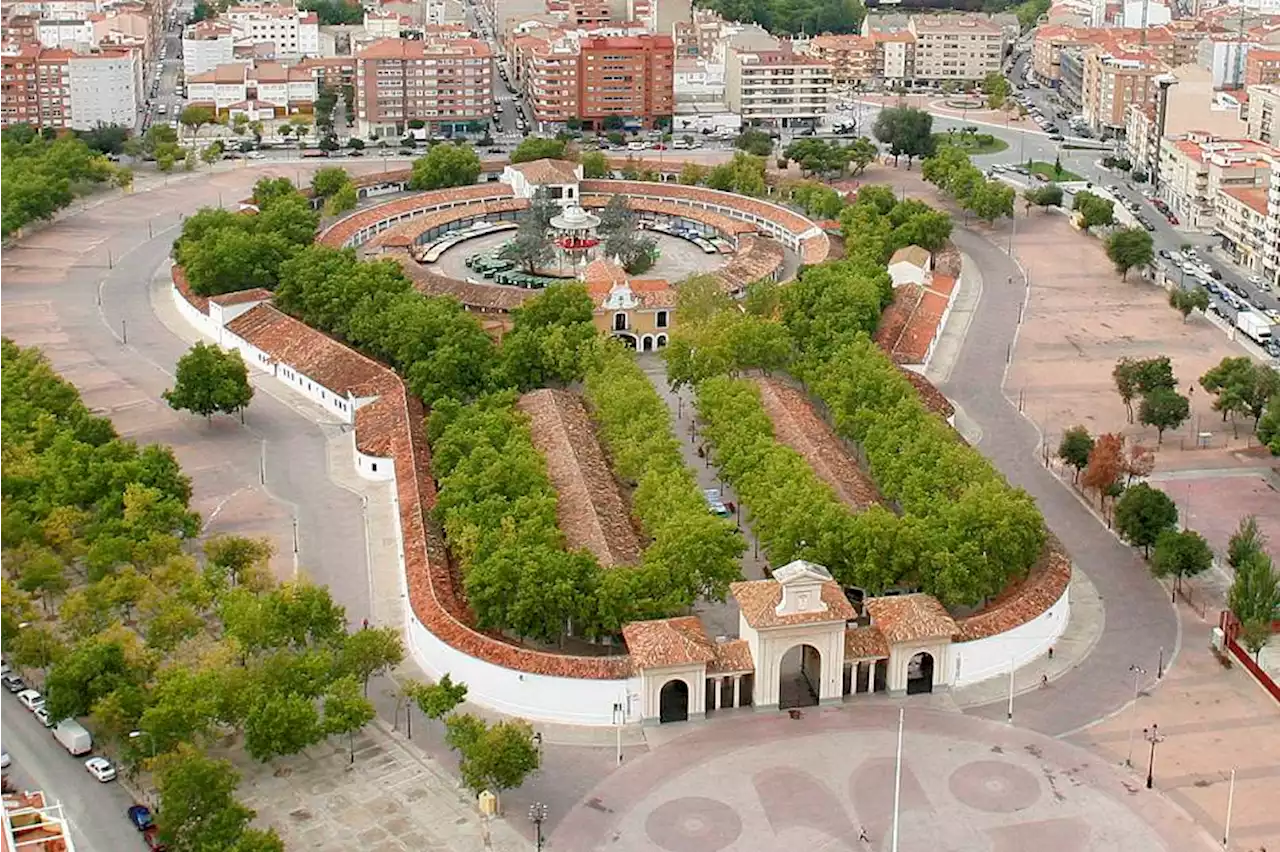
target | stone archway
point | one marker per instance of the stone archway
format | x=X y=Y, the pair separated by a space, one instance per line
x=920 y=673
x=662 y=340
x=647 y=343
x=673 y=701
x=628 y=339
x=799 y=677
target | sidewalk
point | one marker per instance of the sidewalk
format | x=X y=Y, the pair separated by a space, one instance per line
x=1214 y=720
x=1083 y=630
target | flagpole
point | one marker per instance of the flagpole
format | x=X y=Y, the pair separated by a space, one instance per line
x=897 y=781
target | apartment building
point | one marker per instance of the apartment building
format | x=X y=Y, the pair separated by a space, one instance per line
x=956 y=47
x=632 y=78
x=1171 y=45
x=448 y=84
x=1240 y=219
x=205 y=46
x=21 y=29
x=778 y=87
x=855 y=60
x=334 y=71
x=1190 y=104
x=1196 y=168
x=73 y=34
x=261 y=91
x=550 y=74
x=1264 y=115
x=896 y=54
x=698 y=35
x=59 y=88
x=294 y=33
x=125 y=27
x=1262 y=67
x=1113 y=81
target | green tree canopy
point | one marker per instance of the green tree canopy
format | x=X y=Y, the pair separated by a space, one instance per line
x=1143 y=513
x=445 y=165
x=1074 y=448
x=1179 y=554
x=538 y=148
x=1095 y=211
x=209 y=380
x=1128 y=248
x=907 y=131
x=1164 y=408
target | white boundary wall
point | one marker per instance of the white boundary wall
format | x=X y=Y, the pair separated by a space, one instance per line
x=986 y=658
x=574 y=701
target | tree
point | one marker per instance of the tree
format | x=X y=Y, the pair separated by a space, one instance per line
x=236 y=558
x=996 y=88
x=755 y=142
x=446 y=165
x=369 y=652
x=1074 y=448
x=692 y=174
x=1128 y=248
x=195 y=117
x=198 y=810
x=1241 y=387
x=343 y=200
x=907 y=131
x=1269 y=425
x=1106 y=463
x=329 y=180
x=1163 y=408
x=438 y=700
x=595 y=165
x=210 y=380
x=1138 y=377
x=1143 y=513
x=1180 y=553
x=1049 y=195
x=1245 y=542
x=211 y=153
x=860 y=153
x=346 y=710
x=494 y=757
x=1255 y=591
x=281 y=723
x=537 y=148
x=1185 y=301
x=991 y=199
x=43 y=573
x=531 y=247
x=1094 y=210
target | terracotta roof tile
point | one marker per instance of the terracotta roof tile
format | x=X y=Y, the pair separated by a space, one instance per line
x=933 y=399
x=312 y=353
x=759 y=599
x=1024 y=601
x=603 y=272
x=548 y=171
x=723 y=224
x=914 y=255
x=668 y=642
x=590 y=511
x=732 y=657
x=894 y=319
x=921 y=329
x=344 y=231
x=910 y=618
x=864 y=643
x=257 y=294
x=798 y=426
x=788 y=219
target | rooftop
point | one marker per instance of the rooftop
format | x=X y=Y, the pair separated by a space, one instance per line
x=548 y=171
x=910 y=618
x=758 y=601
x=667 y=642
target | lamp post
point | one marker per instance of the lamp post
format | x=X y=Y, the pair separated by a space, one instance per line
x=1154 y=737
x=537 y=815
x=1138 y=671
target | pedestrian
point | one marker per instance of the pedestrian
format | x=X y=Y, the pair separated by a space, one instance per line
x=364 y=625
x=862 y=834
x=1044 y=681
x=1050 y=652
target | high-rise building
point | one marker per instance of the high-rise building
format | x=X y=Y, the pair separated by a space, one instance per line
x=777 y=87
x=956 y=47
x=447 y=84
x=1113 y=81
x=1262 y=67
x=631 y=78
x=1264 y=114
x=59 y=88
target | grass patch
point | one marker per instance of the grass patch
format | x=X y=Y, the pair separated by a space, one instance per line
x=972 y=144
x=1039 y=167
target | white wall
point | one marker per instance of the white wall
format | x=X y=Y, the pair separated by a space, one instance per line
x=104 y=90
x=374 y=468
x=985 y=658
x=545 y=699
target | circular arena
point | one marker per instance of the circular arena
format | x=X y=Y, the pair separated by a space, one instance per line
x=672 y=669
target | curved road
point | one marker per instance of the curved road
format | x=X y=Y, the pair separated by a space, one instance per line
x=1139 y=619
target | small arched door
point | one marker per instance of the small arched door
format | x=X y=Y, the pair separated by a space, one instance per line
x=920 y=673
x=673 y=702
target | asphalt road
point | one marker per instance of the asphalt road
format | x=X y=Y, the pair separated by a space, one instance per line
x=95 y=810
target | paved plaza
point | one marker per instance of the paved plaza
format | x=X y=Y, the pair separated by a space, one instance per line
x=769 y=782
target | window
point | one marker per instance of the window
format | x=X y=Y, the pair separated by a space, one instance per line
x=662 y=319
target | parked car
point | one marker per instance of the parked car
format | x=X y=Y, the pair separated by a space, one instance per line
x=717 y=506
x=152 y=838
x=1056 y=137
x=1173 y=220
x=101 y=768
x=43 y=715
x=30 y=699
x=140 y=816
x=13 y=682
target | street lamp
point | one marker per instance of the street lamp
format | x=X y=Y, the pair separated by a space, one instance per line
x=537 y=815
x=1138 y=671
x=1154 y=737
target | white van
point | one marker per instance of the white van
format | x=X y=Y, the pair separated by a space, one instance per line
x=635 y=146
x=73 y=736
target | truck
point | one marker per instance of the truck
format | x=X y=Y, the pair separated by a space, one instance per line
x=1254 y=326
x=73 y=736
